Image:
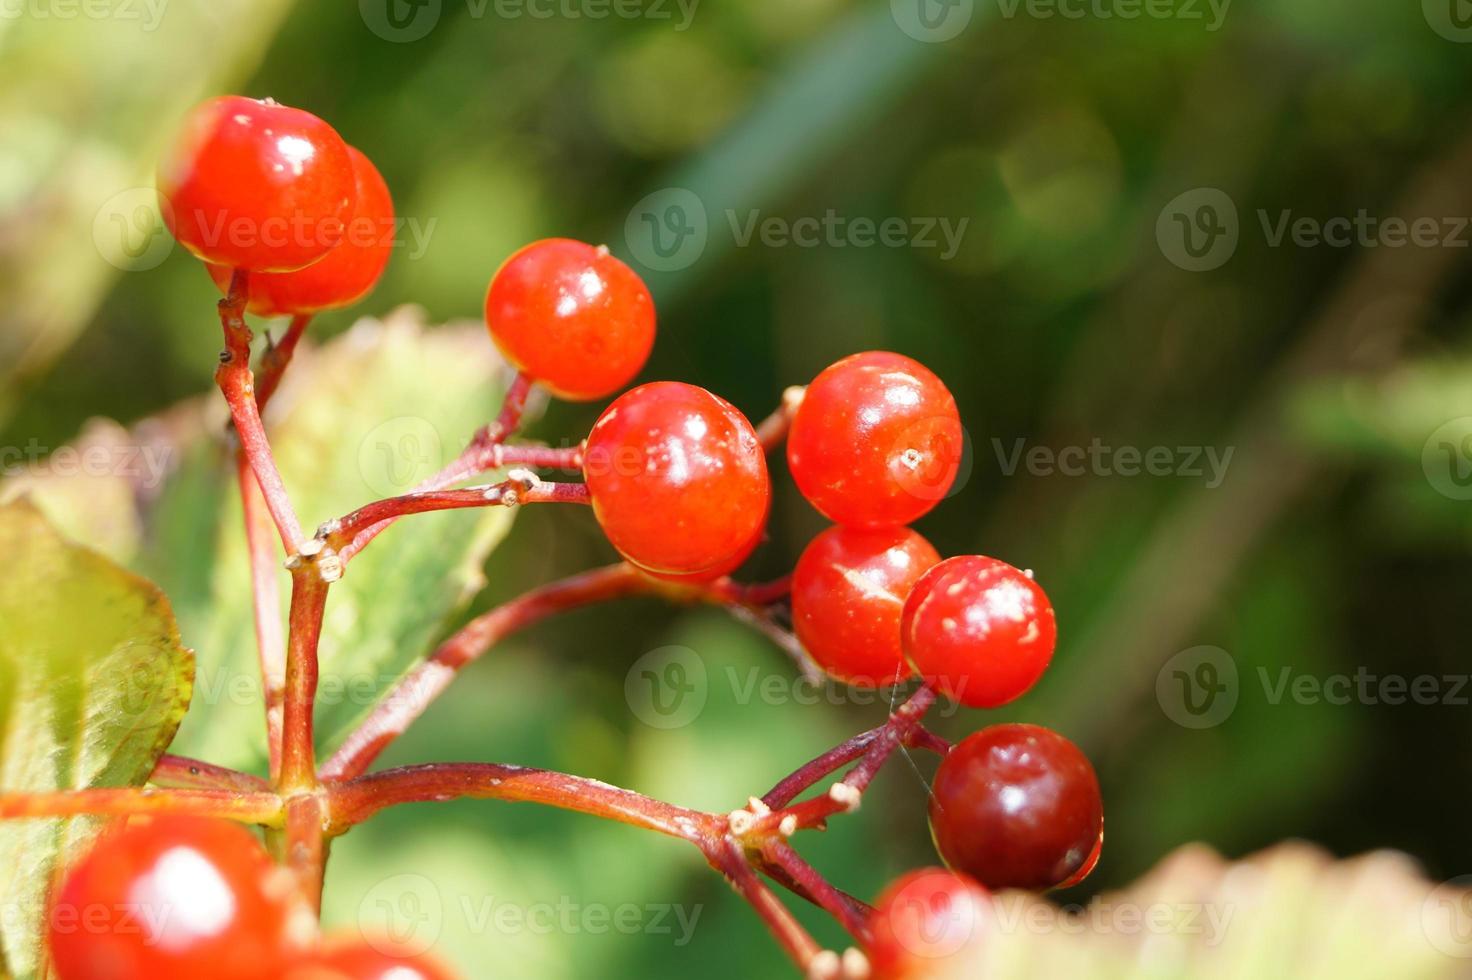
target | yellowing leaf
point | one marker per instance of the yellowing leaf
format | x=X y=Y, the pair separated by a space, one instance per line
x=93 y=684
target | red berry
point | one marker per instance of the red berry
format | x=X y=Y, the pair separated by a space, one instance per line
x=847 y=593
x=357 y=960
x=174 y=899
x=345 y=274
x=979 y=630
x=923 y=918
x=1090 y=863
x=1017 y=806
x=876 y=441
x=677 y=480
x=572 y=316
x=256 y=185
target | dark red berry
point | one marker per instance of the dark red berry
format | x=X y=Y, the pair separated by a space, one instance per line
x=256 y=185
x=571 y=316
x=848 y=590
x=876 y=441
x=925 y=921
x=173 y=899
x=979 y=630
x=1017 y=806
x=677 y=479
x=345 y=274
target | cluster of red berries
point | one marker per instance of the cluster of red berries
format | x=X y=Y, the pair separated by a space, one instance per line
x=678 y=481
x=275 y=191
x=181 y=898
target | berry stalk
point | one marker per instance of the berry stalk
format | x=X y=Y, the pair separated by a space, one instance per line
x=277 y=359
x=178 y=772
x=237 y=384
x=417 y=690
x=355 y=800
x=255 y=807
x=308 y=600
x=265 y=606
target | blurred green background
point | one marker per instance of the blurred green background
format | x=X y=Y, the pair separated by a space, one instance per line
x=1339 y=379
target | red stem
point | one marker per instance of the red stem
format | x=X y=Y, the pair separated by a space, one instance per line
x=258 y=808
x=831 y=761
x=306 y=845
x=814 y=812
x=266 y=606
x=418 y=689
x=178 y=772
x=772 y=431
x=728 y=858
x=819 y=890
x=356 y=800
x=277 y=359
x=308 y=600
x=477 y=457
x=238 y=386
x=346 y=532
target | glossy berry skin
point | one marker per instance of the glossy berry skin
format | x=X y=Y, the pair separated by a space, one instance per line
x=924 y=920
x=979 y=630
x=1017 y=806
x=356 y=960
x=347 y=273
x=571 y=316
x=876 y=441
x=677 y=479
x=175 y=899
x=256 y=185
x=1090 y=863
x=848 y=590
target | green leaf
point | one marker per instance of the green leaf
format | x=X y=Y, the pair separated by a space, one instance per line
x=93 y=684
x=367 y=415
